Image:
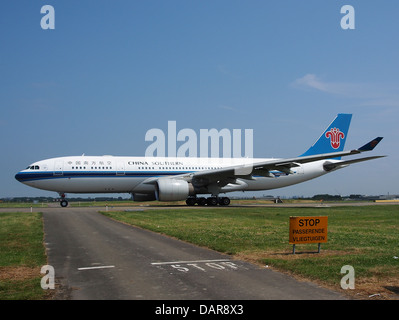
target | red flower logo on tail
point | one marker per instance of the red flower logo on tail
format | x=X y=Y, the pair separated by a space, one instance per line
x=335 y=136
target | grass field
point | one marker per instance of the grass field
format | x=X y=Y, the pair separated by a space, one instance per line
x=364 y=237
x=22 y=254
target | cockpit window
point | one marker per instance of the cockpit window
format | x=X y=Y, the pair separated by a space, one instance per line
x=33 y=168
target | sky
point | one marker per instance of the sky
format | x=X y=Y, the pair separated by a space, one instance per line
x=110 y=71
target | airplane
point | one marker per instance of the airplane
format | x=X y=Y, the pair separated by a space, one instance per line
x=187 y=178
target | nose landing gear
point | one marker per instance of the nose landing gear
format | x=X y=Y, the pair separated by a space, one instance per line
x=63 y=202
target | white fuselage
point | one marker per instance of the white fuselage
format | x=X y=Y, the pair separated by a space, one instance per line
x=113 y=174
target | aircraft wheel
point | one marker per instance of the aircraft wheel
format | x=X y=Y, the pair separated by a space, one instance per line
x=201 y=201
x=64 y=203
x=212 y=201
x=224 y=201
x=191 y=201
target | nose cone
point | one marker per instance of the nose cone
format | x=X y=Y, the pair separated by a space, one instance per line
x=20 y=176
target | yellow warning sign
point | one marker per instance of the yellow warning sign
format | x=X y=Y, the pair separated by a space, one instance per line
x=308 y=230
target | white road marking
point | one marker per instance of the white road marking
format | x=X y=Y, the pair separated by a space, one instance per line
x=185 y=262
x=98 y=267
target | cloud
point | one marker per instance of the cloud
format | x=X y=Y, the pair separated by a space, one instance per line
x=311 y=81
x=370 y=94
x=336 y=88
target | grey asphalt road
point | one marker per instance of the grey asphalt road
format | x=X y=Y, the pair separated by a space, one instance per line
x=97 y=258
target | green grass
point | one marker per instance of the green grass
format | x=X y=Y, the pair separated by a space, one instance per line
x=22 y=254
x=365 y=237
x=22 y=205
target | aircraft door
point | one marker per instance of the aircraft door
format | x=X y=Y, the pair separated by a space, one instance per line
x=58 y=168
x=120 y=168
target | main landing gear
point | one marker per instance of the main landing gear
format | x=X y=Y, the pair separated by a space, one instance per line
x=63 y=202
x=211 y=201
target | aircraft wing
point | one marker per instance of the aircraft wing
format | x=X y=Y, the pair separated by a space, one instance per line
x=222 y=177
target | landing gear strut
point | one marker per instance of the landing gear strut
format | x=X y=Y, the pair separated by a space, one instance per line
x=211 y=201
x=63 y=202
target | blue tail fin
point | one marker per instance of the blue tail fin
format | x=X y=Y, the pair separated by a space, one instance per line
x=333 y=138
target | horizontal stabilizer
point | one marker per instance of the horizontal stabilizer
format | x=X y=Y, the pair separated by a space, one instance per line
x=371 y=145
x=328 y=166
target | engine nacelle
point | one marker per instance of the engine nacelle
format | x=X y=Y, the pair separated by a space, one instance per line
x=173 y=190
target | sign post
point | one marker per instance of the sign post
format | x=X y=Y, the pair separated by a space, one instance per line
x=308 y=230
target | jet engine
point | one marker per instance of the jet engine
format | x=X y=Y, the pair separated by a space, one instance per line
x=173 y=190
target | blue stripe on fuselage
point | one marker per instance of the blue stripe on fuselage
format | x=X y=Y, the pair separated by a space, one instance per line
x=30 y=176
x=35 y=176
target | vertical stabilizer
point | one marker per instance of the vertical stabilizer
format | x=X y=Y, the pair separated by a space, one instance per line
x=333 y=138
